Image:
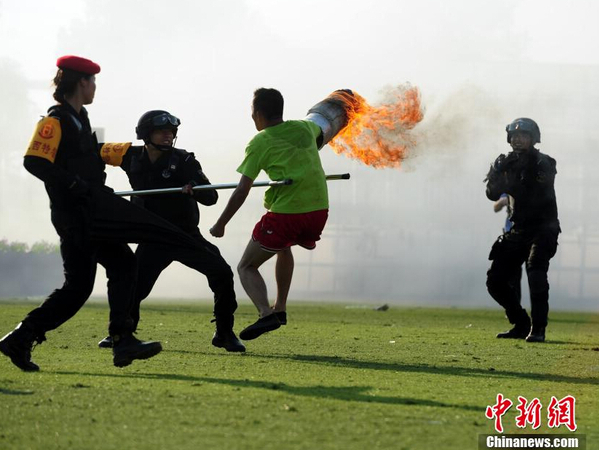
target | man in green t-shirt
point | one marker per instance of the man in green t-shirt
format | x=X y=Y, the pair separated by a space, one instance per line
x=297 y=213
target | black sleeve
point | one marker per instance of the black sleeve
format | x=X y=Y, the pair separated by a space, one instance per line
x=496 y=179
x=126 y=164
x=547 y=169
x=48 y=172
x=192 y=172
x=494 y=191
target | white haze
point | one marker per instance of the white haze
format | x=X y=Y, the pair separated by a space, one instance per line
x=416 y=235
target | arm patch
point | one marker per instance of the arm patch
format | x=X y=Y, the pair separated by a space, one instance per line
x=46 y=139
x=112 y=153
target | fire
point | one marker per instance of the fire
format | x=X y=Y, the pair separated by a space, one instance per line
x=379 y=136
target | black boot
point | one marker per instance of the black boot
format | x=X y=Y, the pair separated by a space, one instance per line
x=228 y=341
x=537 y=334
x=127 y=348
x=106 y=342
x=225 y=337
x=521 y=327
x=518 y=332
x=17 y=345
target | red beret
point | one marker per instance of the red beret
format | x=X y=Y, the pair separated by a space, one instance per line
x=78 y=64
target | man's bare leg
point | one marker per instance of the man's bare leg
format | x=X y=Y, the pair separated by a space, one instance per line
x=251 y=280
x=283 y=275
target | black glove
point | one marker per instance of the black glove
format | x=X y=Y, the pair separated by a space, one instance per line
x=498 y=166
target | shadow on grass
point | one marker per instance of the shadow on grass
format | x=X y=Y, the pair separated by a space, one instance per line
x=578 y=321
x=336 y=361
x=14 y=392
x=345 y=393
x=550 y=342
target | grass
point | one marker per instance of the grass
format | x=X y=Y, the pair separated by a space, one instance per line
x=336 y=377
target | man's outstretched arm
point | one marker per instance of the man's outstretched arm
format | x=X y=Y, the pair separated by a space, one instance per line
x=237 y=199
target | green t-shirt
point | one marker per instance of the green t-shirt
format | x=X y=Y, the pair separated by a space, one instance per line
x=288 y=150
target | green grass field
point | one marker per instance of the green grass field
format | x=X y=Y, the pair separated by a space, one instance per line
x=336 y=377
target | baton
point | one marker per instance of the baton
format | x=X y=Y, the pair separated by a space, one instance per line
x=205 y=187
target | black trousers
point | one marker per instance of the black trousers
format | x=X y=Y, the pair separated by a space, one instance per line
x=534 y=248
x=94 y=231
x=80 y=260
x=204 y=258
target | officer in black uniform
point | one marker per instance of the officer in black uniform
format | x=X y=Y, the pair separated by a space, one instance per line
x=158 y=165
x=93 y=223
x=527 y=175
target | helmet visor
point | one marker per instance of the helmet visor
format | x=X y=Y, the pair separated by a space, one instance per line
x=165 y=120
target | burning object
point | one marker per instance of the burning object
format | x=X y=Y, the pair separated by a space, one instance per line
x=378 y=136
x=333 y=114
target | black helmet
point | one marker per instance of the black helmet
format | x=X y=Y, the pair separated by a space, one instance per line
x=526 y=125
x=154 y=120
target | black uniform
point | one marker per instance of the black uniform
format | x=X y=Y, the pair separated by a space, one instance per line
x=528 y=177
x=175 y=168
x=94 y=226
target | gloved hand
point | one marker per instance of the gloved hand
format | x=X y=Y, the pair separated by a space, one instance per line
x=496 y=169
x=498 y=164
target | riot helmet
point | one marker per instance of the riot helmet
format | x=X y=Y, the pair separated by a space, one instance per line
x=155 y=120
x=525 y=125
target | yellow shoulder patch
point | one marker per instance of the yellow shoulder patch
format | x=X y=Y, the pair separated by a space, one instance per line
x=112 y=153
x=46 y=139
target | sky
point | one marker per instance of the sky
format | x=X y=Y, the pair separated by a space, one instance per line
x=427 y=225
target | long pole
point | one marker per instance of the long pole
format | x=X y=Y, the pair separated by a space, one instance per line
x=342 y=176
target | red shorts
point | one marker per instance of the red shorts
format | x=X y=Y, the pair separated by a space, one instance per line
x=275 y=231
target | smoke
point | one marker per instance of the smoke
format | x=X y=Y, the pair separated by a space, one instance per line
x=451 y=125
x=399 y=130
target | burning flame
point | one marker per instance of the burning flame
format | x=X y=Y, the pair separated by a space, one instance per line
x=379 y=136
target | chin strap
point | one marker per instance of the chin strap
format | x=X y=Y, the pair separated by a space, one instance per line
x=163 y=148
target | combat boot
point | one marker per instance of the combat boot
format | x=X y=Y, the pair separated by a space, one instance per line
x=106 y=342
x=224 y=337
x=537 y=334
x=518 y=332
x=127 y=348
x=521 y=328
x=228 y=341
x=18 y=344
